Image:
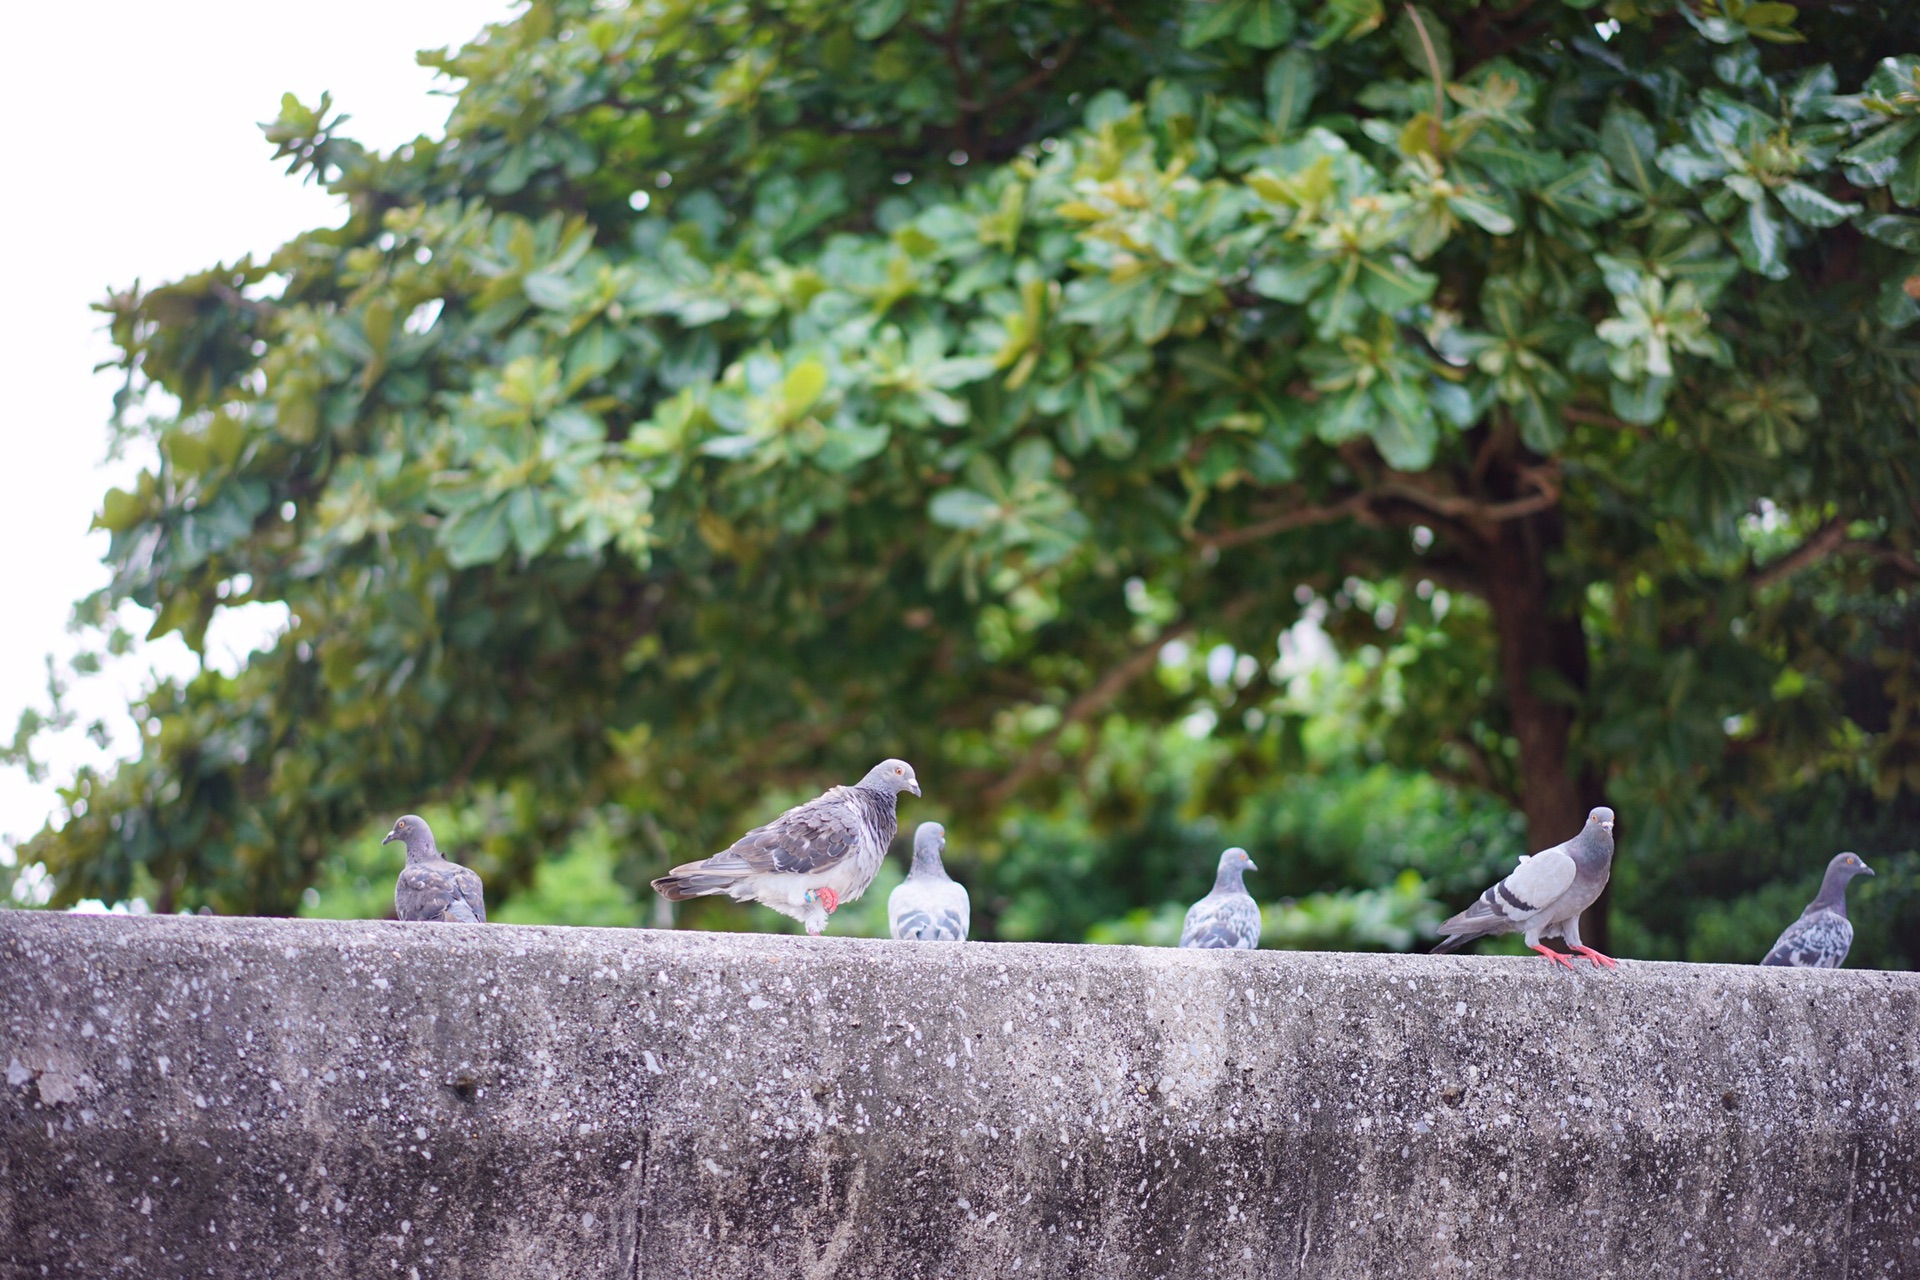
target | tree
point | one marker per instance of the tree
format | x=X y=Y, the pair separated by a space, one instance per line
x=737 y=394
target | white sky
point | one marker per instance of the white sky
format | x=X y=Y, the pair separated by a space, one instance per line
x=131 y=149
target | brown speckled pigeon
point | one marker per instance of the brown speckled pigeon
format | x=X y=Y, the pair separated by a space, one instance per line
x=1228 y=917
x=929 y=905
x=1544 y=896
x=811 y=858
x=430 y=887
x=1822 y=936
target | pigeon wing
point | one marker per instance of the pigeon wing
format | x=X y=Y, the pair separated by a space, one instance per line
x=1228 y=921
x=1817 y=941
x=805 y=839
x=918 y=911
x=428 y=893
x=1533 y=885
x=472 y=895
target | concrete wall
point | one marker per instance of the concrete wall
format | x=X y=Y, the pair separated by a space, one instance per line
x=199 y=1097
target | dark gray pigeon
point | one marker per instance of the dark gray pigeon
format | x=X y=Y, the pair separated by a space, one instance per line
x=1227 y=917
x=1544 y=896
x=810 y=859
x=929 y=906
x=1822 y=936
x=430 y=887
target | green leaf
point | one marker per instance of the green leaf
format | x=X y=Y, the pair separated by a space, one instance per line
x=1897 y=229
x=1268 y=23
x=1761 y=241
x=530 y=522
x=1394 y=286
x=1290 y=85
x=1208 y=20
x=1291 y=279
x=1630 y=146
x=1346 y=416
x=1642 y=402
x=801 y=387
x=962 y=509
x=1406 y=432
x=877 y=17
x=1813 y=208
x=476 y=536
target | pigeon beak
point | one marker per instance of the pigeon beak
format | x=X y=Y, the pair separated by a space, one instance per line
x=391 y=837
x=1252 y=865
x=913 y=785
x=1607 y=827
x=1865 y=870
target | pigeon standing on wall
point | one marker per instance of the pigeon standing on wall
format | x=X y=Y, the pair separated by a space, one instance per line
x=1822 y=936
x=430 y=887
x=1544 y=896
x=1228 y=916
x=810 y=859
x=928 y=906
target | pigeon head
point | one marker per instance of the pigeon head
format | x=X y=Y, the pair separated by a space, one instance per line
x=1601 y=818
x=1833 y=887
x=1847 y=866
x=929 y=842
x=1233 y=863
x=892 y=777
x=415 y=834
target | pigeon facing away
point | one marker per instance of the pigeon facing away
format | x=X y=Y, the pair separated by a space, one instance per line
x=430 y=887
x=1227 y=917
x=1822 y=936
x=928 y=906
x=1544 y=896
x=811 y=858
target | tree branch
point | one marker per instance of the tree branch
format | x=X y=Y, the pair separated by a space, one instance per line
x=1105 y=690
x=1820 y=544
x=1544 y=480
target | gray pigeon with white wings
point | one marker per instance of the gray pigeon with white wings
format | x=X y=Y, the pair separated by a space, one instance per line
x=1822 y=936
x=929 y=906
x=1544 y=896
x=430 y=887
x=810 y=859
x=1228 y=917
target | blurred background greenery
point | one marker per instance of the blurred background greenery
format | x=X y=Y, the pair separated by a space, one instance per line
x=1366 y=434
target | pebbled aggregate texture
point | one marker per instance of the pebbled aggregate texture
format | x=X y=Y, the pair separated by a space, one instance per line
x=190 y=1097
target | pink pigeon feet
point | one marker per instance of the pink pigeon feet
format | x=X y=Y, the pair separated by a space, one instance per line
x=1599 y=960
x=1552 y=955
x=827 y=898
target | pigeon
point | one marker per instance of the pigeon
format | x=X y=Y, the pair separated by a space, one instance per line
x=1228 y=917
x=811 y=858
x=929 y=906
x=1544 y=896
x=430 y=887
x=1822 y=935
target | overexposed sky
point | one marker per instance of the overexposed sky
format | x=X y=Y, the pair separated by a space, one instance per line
x=131 y=148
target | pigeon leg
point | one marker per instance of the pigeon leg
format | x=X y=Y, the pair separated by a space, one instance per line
x=1598 y=959
x=1552 y=955
x=829 y=899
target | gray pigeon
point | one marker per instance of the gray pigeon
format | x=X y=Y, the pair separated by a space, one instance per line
x=811 y=858
x=1544 y=896
x=430 y=887
x=1822 y=936
x=1227 y=917
x=928 y=906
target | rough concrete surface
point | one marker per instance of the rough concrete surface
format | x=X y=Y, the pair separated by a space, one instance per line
x=201 y=1097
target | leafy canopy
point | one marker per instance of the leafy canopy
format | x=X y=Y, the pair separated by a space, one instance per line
x=739 y=393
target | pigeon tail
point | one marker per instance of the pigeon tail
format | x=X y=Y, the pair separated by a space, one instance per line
x=696 y=880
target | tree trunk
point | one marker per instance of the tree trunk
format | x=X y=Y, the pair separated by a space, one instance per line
x=1543 y=654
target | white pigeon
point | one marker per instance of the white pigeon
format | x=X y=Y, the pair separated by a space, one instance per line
x=1228 y=917
x=1544 y=896
x=929 y=905
x=810 y=859
x=1822 y=936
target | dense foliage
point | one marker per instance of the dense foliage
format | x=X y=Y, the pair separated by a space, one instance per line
x=738 y=393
